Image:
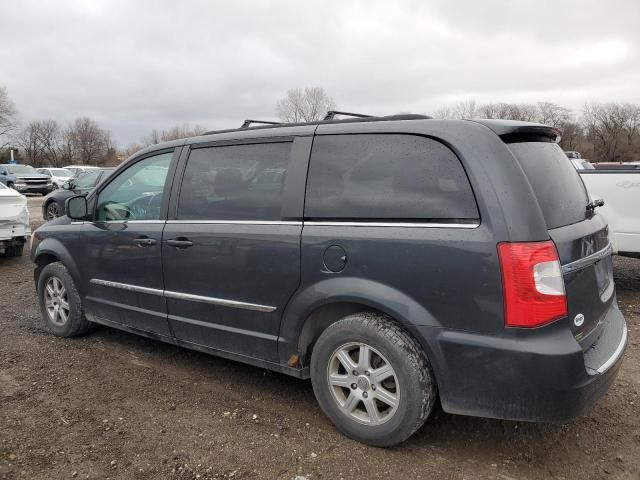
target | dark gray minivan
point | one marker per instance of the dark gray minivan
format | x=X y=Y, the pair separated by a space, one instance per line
x=392 y=260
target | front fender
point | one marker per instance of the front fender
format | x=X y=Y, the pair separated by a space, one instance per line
x=356 y=290
x=51 y=247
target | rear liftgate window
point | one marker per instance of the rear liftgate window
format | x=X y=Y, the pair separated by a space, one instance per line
x=555 y=182
x=387 y=177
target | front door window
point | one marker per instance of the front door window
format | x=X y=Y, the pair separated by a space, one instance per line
x=137 y=193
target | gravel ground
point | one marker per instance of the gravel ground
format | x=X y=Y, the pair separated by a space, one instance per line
x=113 y=405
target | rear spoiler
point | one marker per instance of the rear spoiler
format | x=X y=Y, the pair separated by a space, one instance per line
x=511 y=131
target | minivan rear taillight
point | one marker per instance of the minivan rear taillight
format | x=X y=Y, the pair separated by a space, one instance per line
x=532 y=284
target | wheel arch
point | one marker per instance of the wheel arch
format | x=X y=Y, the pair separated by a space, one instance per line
x=50 y=251
x=316 y=307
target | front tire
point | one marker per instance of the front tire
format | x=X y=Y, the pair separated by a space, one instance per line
x=372 y=379
x=52 y=211
x=60 y=303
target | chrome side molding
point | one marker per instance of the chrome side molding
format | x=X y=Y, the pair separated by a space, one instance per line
x=184 y=296
x=218 y=301
x=128 y=287
x=393 y=224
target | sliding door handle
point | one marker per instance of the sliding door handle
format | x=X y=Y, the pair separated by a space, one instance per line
x=180 y=242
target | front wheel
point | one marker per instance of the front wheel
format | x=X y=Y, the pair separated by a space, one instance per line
x=52 y=211
x=372 y=379
x=60 y=303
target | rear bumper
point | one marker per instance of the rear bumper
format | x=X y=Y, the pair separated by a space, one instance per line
x=14 y=232
x=530 y=375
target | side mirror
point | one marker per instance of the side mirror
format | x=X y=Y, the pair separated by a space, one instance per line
x=76 y=207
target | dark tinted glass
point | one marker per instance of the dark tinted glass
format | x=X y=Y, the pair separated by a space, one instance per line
x=238 y=182
x=399 y=177
x=556 y=184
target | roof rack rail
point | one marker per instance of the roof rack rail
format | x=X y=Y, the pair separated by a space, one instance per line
x=357 y=118
x=247 y=123
x=332 y=113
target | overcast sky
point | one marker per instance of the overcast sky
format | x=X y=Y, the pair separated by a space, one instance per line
x=138 y=65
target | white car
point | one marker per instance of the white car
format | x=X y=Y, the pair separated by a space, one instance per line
x=14 y=222
x=59 y=176
x=620 y=190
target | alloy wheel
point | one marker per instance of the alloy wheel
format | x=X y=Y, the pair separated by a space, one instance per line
x=56 y=301
x=363 y=383
x=53 y=211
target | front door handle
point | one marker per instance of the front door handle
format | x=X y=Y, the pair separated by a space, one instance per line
x=144 y=241
x=180 y=242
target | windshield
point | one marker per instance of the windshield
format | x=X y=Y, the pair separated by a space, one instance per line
x=60 y=172
x=19 y=169
x=87 y=180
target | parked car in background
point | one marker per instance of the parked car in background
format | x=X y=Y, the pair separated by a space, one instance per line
x=14 y=222
x=391 y=260
x=581 y=164
x=7 y=178
x=58 y=176
x=573 y=154
x=620 y=190
x=617 y=166
x=53 y=204
x=78 y=169
x=27 y=179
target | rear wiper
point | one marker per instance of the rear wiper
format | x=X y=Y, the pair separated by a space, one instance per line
x=593 y=204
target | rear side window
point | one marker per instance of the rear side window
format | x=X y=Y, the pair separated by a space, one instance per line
x=391 y=177
x=237 y=182
x=555 y=182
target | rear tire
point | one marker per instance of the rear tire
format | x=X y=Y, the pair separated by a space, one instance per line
x=60 y=303
x=387 y=390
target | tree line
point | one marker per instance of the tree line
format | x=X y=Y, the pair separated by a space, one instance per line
x=601 y=132
x=44 y=143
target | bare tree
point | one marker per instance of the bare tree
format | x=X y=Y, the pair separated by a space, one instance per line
x=631 y=115
x=40 y=142
x=572 y=136
x=29 y=140
x=130 y=149
x=174 y=133
x=49 y=135
x=90 y=142
x=605 y=127
x=308 y=105
x=552 y=114
x=461 y=110
x=8 y=115
x=65 y=148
